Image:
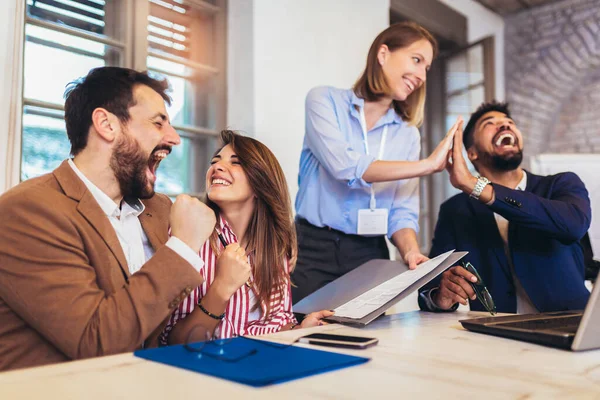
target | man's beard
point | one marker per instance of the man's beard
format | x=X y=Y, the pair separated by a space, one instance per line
x=497 y=162
x=129 y=164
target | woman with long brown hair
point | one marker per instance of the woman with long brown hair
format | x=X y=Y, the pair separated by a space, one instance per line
x=247 y=262
x=360 y=164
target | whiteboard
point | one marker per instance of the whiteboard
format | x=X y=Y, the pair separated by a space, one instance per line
x=587 y=167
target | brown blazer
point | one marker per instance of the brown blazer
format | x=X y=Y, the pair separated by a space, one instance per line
x=65 y=289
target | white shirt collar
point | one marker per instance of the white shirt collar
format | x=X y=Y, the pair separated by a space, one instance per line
x=522 y=185
x=110 y=208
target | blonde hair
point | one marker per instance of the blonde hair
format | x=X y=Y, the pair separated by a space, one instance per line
x=372 y=84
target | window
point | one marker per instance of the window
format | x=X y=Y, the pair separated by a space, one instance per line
x=184 y=46
x=465 y=82
x=469 y=82
x=181 y=40
x=66 y=39
x=458 y=82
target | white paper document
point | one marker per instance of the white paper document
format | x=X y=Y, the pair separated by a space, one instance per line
x=371 y=300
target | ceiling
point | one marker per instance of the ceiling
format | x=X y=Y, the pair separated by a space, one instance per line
x=506 y=7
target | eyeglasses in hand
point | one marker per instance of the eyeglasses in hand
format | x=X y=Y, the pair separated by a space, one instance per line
x=481 y=290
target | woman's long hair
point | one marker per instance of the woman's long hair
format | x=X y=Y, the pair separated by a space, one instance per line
x=372 y=84
x=271 y=235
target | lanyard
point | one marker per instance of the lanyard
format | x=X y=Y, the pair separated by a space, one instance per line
x=363 y=125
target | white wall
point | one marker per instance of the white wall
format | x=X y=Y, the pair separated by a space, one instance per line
x=240 y=66
x=586 y=166
x=279 y=49
x=296 y=45
x=481 y=23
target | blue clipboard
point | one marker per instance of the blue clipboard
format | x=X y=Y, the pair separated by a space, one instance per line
x=255 y=362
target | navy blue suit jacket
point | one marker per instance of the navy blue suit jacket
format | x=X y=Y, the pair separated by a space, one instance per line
x=546 y=222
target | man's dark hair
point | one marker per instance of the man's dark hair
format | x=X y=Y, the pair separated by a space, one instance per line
x=105 y=87
x=484 y=108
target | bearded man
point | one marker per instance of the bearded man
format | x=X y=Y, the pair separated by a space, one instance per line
x=522 y=231
x=87 y=267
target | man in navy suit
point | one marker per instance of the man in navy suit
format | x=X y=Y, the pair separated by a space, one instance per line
x=521 y=230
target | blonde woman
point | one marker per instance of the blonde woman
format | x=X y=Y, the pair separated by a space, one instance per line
x=360 y=162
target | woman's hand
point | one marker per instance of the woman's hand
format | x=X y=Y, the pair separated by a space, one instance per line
x=438 y=160
x=314 y=319
x=414 y=258
x=233 y=270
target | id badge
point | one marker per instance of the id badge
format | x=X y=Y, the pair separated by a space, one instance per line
x=372 y=221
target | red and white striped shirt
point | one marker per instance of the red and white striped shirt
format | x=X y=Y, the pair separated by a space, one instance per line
x=238 y=310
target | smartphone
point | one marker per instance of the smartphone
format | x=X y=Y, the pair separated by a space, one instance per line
x=349 y=342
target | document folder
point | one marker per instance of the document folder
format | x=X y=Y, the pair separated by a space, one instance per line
x=346 y=291
x=268 y=362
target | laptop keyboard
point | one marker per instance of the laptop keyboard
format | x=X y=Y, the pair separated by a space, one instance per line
x=562 y=324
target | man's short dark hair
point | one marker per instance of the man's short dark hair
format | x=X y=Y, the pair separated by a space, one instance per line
x=105 y=87
x=484 y=108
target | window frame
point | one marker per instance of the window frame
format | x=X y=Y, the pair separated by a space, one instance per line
x=132 y=25
x=437 y=188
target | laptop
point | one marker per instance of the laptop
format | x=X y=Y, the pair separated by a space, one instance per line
x=571 y=330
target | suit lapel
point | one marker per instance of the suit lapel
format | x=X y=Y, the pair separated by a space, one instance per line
x=156 y=230
x=88 y=207
x=532 y=181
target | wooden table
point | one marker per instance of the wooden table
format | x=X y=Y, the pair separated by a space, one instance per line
x=419 y=355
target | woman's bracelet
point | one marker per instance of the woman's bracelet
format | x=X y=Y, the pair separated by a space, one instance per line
x=213 y=316
x=293 y=326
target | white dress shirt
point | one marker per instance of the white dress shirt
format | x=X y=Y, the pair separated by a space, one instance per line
x=524 y=304
x=133 y=239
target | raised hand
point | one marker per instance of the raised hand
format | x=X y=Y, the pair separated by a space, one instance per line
x=233 y=270
x=460 y=176
x=191 y=221
x=439 y=158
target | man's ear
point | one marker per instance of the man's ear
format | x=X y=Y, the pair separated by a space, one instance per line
x=472 y=154
x=106 y=124
x=382 y=53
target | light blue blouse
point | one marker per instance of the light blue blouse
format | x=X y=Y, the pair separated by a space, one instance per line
x=333 y=160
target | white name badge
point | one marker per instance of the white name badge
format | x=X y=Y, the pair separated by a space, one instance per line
x=372 y=221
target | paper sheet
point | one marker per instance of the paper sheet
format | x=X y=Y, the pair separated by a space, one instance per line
x=371 y=300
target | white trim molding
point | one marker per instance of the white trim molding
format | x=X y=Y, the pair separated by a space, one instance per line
x=11 y=82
